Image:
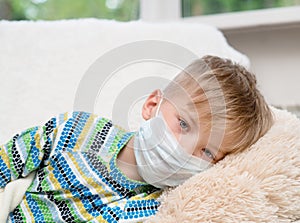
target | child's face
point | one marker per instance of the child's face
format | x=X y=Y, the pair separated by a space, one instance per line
x=185 y=126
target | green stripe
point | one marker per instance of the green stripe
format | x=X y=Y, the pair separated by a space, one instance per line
x=9 y=151
x=114 y=147
x=72 y=210
x=43 y=208
x=20 y=211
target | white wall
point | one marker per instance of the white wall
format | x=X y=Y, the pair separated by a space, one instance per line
x=160 y=10
x=274 y=53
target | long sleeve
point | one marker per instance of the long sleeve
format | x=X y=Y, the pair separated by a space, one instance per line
x=77 y=177
x=28 y=151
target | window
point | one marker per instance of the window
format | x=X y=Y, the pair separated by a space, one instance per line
x=122 y=10
x=205 y=7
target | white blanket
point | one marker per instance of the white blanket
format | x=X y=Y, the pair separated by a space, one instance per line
x=12 y=195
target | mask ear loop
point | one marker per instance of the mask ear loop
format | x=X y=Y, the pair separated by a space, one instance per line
x=159 y=104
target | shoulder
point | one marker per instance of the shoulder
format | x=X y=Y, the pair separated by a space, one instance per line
x=77 y=115
x=75 y=119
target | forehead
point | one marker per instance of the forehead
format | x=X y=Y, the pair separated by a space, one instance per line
x=196 y=105
x=182 y=104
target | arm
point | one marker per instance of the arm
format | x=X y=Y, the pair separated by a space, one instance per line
x=28 y=151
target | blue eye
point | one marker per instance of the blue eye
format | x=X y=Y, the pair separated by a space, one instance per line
x=183 y=124
x=208 y=153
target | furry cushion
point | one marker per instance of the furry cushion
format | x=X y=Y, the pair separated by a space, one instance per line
x=261 y=184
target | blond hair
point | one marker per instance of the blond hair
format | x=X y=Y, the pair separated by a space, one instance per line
x=235 y=103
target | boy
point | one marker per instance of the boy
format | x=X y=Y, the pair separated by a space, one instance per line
x=87 y=169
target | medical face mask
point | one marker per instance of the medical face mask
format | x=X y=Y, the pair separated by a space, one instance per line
x=161 y=161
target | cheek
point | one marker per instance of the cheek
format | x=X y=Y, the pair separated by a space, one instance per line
x=174 y=127
x=190 y=143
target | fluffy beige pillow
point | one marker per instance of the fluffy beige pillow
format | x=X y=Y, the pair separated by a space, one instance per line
x=261 y=184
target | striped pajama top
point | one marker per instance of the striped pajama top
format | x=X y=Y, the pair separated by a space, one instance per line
x=77 y=179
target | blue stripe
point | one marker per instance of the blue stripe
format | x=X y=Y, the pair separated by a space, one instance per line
x=33 y=205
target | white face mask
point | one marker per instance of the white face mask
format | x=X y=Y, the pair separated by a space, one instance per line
x=161 y=161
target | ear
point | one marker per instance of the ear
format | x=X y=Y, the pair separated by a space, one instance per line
x=151 y=103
